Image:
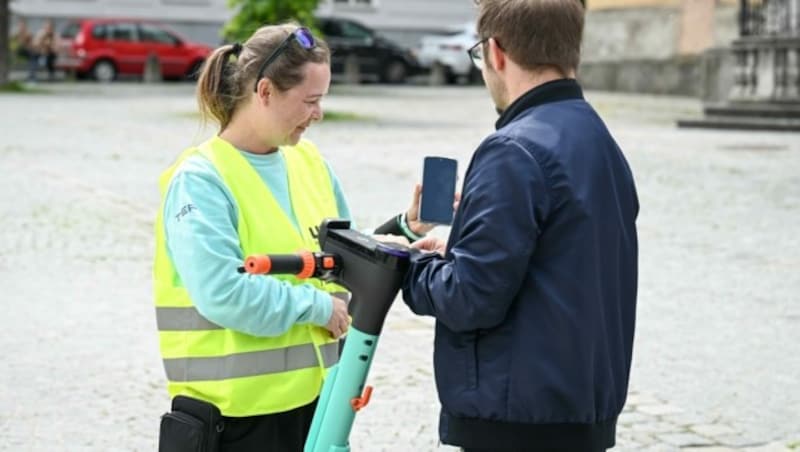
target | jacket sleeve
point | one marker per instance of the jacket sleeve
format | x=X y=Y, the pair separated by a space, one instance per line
x=488 y=253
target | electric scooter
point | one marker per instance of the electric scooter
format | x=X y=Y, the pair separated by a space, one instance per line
x=373 y=272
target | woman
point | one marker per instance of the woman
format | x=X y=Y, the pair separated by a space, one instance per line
x=245 y=356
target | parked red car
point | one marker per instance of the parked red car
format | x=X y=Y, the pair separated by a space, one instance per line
x=105 y=48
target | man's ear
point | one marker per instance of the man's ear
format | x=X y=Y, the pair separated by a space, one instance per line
x=497 y=57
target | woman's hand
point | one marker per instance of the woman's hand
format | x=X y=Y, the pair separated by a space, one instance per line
x=339 y=321
x=416 y=226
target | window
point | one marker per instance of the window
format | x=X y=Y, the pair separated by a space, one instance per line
x=100 y=31
x=123 y=32
x=151 y=33
x=353 y=31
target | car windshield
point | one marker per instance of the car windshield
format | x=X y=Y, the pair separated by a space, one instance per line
x=453 y=33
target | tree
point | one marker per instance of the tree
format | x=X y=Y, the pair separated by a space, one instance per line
x=5 y=57
x=252 y=14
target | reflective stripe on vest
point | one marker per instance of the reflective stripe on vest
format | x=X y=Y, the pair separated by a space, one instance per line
x=182 y=319
x=249 y=364
x=188 y=319
x=245 y=375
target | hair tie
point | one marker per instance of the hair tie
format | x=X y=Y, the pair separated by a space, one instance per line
x=237 y=48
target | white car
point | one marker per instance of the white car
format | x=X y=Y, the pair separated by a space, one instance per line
x=446 y=56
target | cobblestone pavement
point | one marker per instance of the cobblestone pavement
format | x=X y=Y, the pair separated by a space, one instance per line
x=716 y=357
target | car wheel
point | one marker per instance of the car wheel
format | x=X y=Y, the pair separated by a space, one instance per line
x=439 y=74
x=395 y=72
x=104 y=71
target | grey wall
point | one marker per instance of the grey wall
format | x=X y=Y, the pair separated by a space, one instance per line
x=637 y=51
x=618 y=35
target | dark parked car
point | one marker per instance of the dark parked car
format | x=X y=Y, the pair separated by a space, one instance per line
x=359 y=49
x=105 y=48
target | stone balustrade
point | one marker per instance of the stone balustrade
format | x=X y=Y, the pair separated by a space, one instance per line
x=768 y=52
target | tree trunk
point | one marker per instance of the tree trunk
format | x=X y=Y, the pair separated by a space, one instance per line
x=5 y=58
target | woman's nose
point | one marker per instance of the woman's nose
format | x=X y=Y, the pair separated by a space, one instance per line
x=317 y=114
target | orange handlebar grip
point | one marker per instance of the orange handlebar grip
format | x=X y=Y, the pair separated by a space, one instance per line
x=308 y=264
x=258 y=265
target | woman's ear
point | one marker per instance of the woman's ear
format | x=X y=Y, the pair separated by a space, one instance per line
x=264 y=89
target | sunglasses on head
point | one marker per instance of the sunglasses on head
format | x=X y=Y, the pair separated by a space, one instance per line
x=303 y=37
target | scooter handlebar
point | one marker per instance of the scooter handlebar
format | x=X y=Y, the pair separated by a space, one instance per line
x=302 y=264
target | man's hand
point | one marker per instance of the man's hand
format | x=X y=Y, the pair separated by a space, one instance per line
x=431 y=244
x=391 y=238
x=416 y=226
x=339 y=321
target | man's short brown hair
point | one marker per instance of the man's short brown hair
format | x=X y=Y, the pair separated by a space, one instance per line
x=535 y=33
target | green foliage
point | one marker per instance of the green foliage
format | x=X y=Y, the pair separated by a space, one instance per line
x=15 y=87
x=252 y=14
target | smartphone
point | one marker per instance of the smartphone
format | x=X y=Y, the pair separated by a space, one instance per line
x=438 y=190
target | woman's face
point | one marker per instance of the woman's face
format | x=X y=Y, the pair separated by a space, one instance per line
x=295 y=109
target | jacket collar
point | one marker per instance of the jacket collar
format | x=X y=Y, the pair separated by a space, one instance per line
x=553 y=91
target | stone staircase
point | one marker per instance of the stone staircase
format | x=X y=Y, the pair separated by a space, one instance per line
x=775 y=116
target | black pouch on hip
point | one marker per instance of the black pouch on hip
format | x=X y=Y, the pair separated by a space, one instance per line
x=192 y=426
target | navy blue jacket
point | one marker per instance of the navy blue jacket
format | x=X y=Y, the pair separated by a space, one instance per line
x=535 y=299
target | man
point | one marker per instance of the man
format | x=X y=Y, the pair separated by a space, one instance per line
x=534 y=293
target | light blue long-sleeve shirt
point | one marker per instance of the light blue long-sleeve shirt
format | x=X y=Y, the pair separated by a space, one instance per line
x=200 y=220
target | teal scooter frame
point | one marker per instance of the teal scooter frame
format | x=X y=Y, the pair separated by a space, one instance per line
x=373 y=272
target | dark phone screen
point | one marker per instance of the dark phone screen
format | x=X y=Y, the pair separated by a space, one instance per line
x=438 y=190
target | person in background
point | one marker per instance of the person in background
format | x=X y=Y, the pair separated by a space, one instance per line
x=44 y=45
x=22 y=46
x=534 y=293
x=245 y=356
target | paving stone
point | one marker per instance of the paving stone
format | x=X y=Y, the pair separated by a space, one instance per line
x=686 y=419
x=655 y=426
x=708 y=449
x=637 y=398
x=643 y=438
x=657 y=410
x=633 y=417
x=713 y=430
x=770 y=447
x=684 y=439
x=737 y=441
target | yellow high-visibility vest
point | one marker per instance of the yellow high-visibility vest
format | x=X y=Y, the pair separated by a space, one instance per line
x=244 y=375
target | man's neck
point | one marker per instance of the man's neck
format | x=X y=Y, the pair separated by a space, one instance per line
x=520 y=81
